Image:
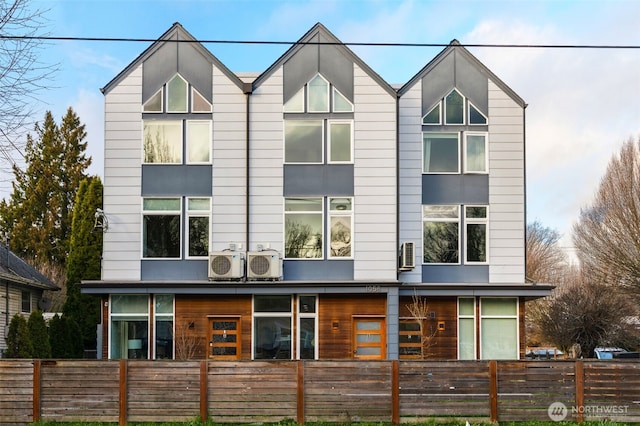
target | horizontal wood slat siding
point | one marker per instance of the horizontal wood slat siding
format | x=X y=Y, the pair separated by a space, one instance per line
x=309 y=391
x=77 y=391
x=252 y=392
x=16 y=392
x=348 y=391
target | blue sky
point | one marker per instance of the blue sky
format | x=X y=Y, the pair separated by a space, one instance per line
x=583 y=103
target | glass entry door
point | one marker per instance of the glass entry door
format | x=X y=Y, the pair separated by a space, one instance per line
x=369 y=340
x=224 y=338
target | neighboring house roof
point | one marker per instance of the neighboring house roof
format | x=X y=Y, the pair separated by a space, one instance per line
x=311 y=37
x=175 y=34
x=455 y=45
x=16 y=271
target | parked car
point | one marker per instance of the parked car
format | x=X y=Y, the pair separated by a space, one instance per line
x=544 y=354
x=611 y=353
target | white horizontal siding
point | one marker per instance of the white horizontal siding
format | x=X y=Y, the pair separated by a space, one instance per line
x=122 y=159
x=410 y=130
x=267 y=135
x=506 y=188
x=229 y=164
x=374 y=181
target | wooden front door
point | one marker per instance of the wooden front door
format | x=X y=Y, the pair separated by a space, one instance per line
x=369 y=338
x=224 y=338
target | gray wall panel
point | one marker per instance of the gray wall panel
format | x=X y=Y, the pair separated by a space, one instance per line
x=455 y=274
x=299 y=69
x=437 y=83
x=318 y=180
x=189 y=180
x=158 y=69
x=473 y=83
x=326 y=270
x=335 y=66
x=196 y=69
x=167 y=270
x=455 y=189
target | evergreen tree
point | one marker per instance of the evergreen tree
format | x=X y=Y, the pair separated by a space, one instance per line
x=37 y=218
x=84 y=260
x=19 y=343
x=63 y=335
x=39 y=335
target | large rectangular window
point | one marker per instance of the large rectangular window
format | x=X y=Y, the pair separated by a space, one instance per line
x=441 y=153
x=466 y=328
x=161 y=227
x=272 y=322
x=163 y=328
x=303 y=141
x=162 y=141
x=129 y=326
x=303 y=228
x=441 y=234
x=26 y=301
x=499 y=328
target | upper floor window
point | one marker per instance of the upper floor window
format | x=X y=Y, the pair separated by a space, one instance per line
x=442 y=153
x=304 y=228
x=318 y=96
x=180 y=97
x=165 y=141
x=305 y=141
x=454 y=109
x=442 y=225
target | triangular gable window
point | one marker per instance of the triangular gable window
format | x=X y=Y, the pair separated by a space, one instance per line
x=177 y=94
x=454 y=108
x=318 y=98
x=433 y=116
x=154 y=104
x=198 y=102
x=296 y=102
x=475 y=116
x=340 y=102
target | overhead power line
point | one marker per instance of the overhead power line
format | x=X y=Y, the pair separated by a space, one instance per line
x=290 y=43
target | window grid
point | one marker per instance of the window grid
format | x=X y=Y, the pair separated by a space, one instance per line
x=466 y=328
x=198 y=225
x=161 y=222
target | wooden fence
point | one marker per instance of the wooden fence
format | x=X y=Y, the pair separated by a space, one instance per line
x=305 y=391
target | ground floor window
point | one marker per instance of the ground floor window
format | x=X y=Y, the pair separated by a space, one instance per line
x=163 y=326
x=307 y=327
x=129 y=326
x=272 y=324
x=499 y=328
x=136 y=334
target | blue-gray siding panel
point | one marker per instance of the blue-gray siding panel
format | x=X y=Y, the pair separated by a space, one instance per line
x=455 y=189
x=455 y=273
x=176 y=180
x=168 y=270
x=325 y=270
x=318 y=180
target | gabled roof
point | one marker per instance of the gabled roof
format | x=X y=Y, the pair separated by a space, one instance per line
x=175 y=34
x=456 y=46
x=16 y=271
x=321 y=30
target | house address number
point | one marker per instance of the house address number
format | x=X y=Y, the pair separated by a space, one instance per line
x=373 y=289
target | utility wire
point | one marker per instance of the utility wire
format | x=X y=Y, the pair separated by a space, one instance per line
x=264 y=42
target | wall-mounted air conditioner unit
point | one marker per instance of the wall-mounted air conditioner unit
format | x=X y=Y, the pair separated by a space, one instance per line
x=407 y=256
x=265 y=265
x=226 y=265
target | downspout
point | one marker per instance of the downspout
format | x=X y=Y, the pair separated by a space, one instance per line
x=398 y=185
x=247 y=89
